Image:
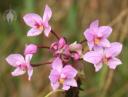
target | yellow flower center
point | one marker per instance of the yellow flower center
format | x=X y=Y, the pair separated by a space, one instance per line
x=40 y=27
x=61 y=80
x=97 y=40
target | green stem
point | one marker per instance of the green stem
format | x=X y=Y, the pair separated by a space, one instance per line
x=50 y=93
x=103 y=77
x=102 y=80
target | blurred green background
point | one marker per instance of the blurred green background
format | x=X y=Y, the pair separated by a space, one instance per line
x=70 y=18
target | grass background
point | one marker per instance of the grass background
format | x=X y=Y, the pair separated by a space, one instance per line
x=70 y=18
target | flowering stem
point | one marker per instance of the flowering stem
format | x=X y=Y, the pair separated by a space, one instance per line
x=107 y=83
x=55 y=34
x=50 y=93
x=82 y=41
x=40 y=46
x=36 y=65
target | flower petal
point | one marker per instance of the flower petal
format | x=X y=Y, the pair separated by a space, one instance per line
x=94 y=24
x=28 y=58
x=55 y=86
x=66 y=50
x=65 y=87
x=98 y=66
x=75 y=56
x=93 y=57
x=54 y=76
x=18 y=71
x=30 y=72
x=114 y=49
x=70 y=82
x=47 y=30
x=61 y=43
x=57 y=64
x=30 y=49
x=104 y=43
x=90 y=45
x=76 y=47
x=34 y=32
x=15 y=59
x=47 y=14
x=114 y=62
x=31 y=19
x=104 y=31
x=88 y=35
x=69 y=71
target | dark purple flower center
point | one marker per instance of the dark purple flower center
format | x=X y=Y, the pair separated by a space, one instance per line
x=106 y=59
x=23 y=67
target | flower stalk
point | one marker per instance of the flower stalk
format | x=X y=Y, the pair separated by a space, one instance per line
x=55 y=34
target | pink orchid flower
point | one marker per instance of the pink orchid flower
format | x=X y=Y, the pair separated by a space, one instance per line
x=97 y=35
x=76 y=50
x=62 y=76
x=30 y=49
x=21 y=64
x=105 y=56
x=38 y=23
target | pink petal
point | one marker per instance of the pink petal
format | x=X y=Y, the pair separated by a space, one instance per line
x=15 y=59
x=114 y=49
x=88 y=35
x=30 y=72
x=97 y=48
x=54 y=76
x=47 y=30
x=113 y=63
x=70 y=82
x=30 y=49
x=104 y=31
x=91 y=45
x=31 y=19
x=75 y=56
x=69 y=71
x=18 y=71
x=98 y=66
x=104 y=43
x=54 y=47
x=55 y=86
x=94 y=24
x=47 y=14
x=34 y=32
x=65 y=87
x=57 y=64
x=28 y=58
x=93 y=57
x=61 y=43
x=76 y=47
x=66 y=50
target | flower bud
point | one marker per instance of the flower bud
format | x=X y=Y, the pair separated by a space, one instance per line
x=30 y=49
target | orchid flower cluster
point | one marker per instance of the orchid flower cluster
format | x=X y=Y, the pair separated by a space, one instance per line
x=63 y=73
